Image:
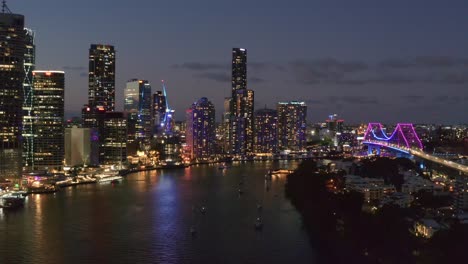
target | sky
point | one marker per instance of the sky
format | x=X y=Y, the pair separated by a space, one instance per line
x=381 y=61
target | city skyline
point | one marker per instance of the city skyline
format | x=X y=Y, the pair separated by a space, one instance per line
x=334 y=66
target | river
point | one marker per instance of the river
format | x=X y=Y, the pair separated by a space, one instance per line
x=147 y=219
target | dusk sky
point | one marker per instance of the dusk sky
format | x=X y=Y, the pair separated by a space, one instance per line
x=386 y=61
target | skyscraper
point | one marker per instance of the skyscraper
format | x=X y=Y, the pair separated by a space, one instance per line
x=158 y=110
x=200 y=131
x=292 y=125
x=137 y=107
x=29 y=66
x=101 y=85
x=12 y=51
x=102 y=77
x=113 y=148
x=48 y=108
x=266 y=128
x=242 y=106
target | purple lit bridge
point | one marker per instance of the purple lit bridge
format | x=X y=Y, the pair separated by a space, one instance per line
x=404 y=142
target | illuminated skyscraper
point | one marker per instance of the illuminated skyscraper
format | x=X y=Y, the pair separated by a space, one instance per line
x=266 y=128
x=29 y=66
x=158 y=110
x=200 y=131
x=102 y=77
x=12 y=51
x=101 y=82
x=137 y=108
x=292 y=125
x=226 y=126
x=113 y=149
x=242 y=106
x=48 y=109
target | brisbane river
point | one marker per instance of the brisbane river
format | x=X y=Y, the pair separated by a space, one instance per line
x=148 y=217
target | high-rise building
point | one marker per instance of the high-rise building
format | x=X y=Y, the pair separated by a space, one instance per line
x=101 y=91
x=242 y=106
x=137 y=108
x=292 y=125
x=28 y=117
x=113 y=148
x=48 y=125
x=158 y=110
x=12 y=51
x=81 y=146
x=225 y=143
x=200 y=131
x=334 y=124
x=266 y=129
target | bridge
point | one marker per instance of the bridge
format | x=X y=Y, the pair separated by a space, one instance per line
x=405 y=142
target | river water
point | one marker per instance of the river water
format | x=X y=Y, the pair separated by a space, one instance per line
x=147 y=219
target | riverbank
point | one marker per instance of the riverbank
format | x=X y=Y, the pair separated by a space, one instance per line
x=343 y=233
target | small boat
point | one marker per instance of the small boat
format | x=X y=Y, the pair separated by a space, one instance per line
x=193 y=231
x=115 y=181
x=203 y=209
x=258 y=224
x=223 y=166
x=240 y=191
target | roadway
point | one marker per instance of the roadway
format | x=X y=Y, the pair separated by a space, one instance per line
x=421 y=154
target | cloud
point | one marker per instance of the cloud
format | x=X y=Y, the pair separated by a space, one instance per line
x=353 y=99
x=73 y=68
x=254 y=80
x=424 y=62
x=413 y=98
x=198 y=66
x=84 y=74
x=214 y=76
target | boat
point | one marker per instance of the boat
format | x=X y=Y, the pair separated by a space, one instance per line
x=84 y=179
x=258 y=224
x=240 y=191
x=9 y=201
x=193 y=231
x=203 y=210
x=223 y=166
x=280 y=172
x=67 y=182
x=108 y=177
x=43 y=189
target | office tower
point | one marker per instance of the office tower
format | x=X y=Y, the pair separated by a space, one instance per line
x=334 y=124
x=226 y=126
x=137 y=108
x=200 y=132
x=292 y=125
x=242 y=106
x=48 y=109
x=101 y=82
x=102 y=77
x=266 y=127
x=460 y=194
x=113 y=148
x=158 y=110
x=12 y=51
x=29 y=65
x=81 y=146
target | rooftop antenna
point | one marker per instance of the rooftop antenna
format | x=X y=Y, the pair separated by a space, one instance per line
x=5 y=8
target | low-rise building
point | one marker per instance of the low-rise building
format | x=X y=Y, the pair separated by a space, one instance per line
x=402 y=200
x=426 y=227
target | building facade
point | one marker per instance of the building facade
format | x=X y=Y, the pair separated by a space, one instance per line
x=12 y=51
x=200 y=131
x=102 y=77
x=48 y=125
x=28 y=117
x=137 y=108
x=80 y=146
x=113 y=141
x=266 y=131
x=158 y=110
x=292 y=125
x=242 y=106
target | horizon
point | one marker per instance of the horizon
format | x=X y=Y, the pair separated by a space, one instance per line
x=359 y=62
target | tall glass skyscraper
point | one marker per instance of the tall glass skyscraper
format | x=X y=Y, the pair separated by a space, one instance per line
x=158 y=110
x=12 y=51
x=137 y=107
x=200 y=131
x=242 y=106
x=48 y=128
x=28 y=117
x=292 y=125
x=113 y=148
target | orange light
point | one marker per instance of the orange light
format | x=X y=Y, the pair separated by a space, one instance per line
x=48 y=73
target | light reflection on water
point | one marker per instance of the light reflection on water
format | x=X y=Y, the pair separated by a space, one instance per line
x=148 y=216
